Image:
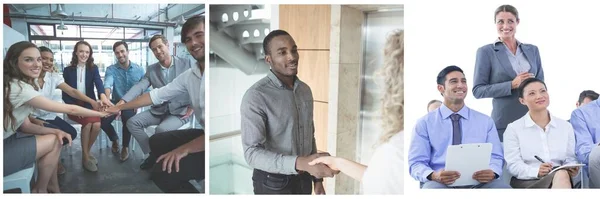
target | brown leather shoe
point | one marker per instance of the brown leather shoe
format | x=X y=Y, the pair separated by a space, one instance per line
x=115 y=147
x=124 y=154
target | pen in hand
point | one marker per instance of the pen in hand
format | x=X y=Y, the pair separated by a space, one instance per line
x=538 y=158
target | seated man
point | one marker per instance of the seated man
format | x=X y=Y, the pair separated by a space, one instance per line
x=452 y=124
x=586 y=97
x=168 y=116
x=181 y=151
x=586 y=124
x=433 y=104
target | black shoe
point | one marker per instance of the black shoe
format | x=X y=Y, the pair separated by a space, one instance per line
x=148 y=163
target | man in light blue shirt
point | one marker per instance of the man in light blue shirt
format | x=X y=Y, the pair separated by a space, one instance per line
x=434 y=133
x=586 y=123
x=119 y=78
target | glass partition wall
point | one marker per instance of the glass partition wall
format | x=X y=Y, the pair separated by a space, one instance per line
x=61 y=40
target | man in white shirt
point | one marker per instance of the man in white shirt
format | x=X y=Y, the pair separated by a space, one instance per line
x=181 y=151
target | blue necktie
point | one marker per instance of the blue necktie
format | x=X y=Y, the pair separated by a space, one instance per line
x=456 y=130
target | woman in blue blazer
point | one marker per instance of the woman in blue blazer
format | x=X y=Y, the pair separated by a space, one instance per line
x=500 y=68
x=83 y=75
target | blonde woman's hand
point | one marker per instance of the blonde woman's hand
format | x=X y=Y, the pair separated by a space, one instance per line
x=330 y=161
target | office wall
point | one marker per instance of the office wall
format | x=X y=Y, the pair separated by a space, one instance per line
x=311 y=35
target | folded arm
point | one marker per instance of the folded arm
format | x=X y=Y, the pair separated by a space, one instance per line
x=482 y=87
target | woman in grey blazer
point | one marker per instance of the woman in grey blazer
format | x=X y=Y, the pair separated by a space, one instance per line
x=500 y=68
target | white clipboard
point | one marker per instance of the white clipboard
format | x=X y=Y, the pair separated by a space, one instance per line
x=468 y=159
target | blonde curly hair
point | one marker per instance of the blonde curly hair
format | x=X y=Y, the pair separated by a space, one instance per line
x=392 y=103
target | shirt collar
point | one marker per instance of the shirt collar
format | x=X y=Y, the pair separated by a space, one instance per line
x=278 y=82
x=498 y=40
x=118 y=65
x=446 y=112
x=80 y=66
x=530 y=123
x=162 y=67
x=196 y=71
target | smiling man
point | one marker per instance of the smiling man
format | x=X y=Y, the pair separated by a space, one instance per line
x=452 y=124
x=277 y=125
x=119 y=78
x=168 y=116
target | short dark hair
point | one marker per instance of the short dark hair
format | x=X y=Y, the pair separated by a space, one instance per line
x=526 y=82
x=587 y=94
x=45 y=49
x=118 y=43
x=155 y=37
x=507 y=8
x=270 y=37
x=190 y=24
x=441 y=78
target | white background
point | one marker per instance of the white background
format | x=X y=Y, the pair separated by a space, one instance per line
x=450 y=32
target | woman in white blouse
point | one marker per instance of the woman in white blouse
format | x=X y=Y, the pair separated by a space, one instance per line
x=48 y=81
x=538 y=142
x=385 y=173
x=25 y=143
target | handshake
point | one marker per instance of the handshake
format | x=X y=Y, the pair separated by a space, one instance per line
x=319 y=165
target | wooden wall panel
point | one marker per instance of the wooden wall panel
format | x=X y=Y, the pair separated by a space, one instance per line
x=309 y=25
x=313 y=69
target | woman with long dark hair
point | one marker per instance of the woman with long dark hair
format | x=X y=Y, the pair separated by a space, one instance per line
x=26 y=143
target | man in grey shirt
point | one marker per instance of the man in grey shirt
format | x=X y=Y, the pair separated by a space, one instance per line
x=181 y=151
x=167 y=116
x=277 y=125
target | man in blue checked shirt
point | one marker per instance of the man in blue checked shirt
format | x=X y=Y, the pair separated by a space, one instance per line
x=452 y=124
x=119 y=78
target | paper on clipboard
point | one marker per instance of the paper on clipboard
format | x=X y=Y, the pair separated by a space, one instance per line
x=468 y=159
x=566 y=167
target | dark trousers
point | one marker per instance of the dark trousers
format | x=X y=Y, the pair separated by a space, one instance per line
x=271 y=183
x=191 y=167
x=58 y=123
x=107 y=127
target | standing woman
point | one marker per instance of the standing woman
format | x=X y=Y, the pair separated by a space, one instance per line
x=500 y=68
x=24 y=142
x=83 y=74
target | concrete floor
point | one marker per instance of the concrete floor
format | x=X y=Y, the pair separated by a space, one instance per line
x=113 y=176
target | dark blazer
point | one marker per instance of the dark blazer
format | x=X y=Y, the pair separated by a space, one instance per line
x=92 y=77
x=493 y=78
